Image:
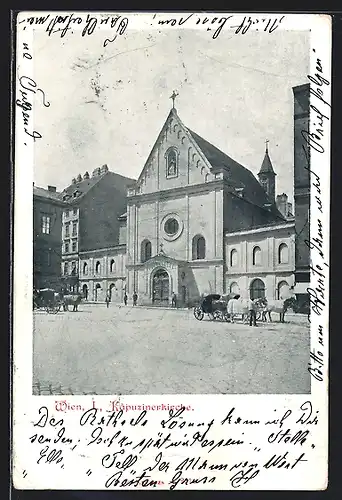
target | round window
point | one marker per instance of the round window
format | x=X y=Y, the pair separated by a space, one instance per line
x=171 y=227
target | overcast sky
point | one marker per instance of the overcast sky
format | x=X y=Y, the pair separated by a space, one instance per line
x=235 y=91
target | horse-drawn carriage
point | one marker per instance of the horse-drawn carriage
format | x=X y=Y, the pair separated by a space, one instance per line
x=214 y=305
x=217 y=308
x=47 y=299
x=52 y=302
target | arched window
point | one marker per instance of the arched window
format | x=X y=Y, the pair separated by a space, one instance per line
x=233 y=258
x=66 y=268
x=98 y=267
x=234 y=288
x=283 y=290
x=257 y=289
x=198 y=248
x=112 y=265
x=171 y=163
x=256 y=256
x=283 y=254
x=146 y=250
x=85 y=268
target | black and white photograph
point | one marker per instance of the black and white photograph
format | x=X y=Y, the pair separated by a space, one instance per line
x=171 y=203
x=171 y=162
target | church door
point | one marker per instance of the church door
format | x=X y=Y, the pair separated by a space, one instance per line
x=160 y=287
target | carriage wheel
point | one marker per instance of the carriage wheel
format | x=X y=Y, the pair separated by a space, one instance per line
x=198 y=313
x=217 y=315
x=226 y=317
x=55 y=309
x=258 y=315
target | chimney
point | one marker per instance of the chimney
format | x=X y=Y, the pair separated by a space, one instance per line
x=73 y=180
x=52 y=189
x=86 y=175
x=79 y=178
x=281 y=204
x=96 y=172
x=104 y=169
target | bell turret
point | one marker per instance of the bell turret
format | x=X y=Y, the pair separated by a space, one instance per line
x=267 y=176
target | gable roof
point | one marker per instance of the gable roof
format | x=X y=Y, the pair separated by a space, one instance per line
x=49 y=195
x=239 y=176
x=78 y=190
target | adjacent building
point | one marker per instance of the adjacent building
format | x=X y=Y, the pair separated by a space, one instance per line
x=302 y=191
x=47 y=228
x=93 y=233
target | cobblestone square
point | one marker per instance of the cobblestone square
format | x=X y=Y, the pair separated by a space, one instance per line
x=126 y=350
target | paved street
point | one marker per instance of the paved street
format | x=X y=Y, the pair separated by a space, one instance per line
x=126 y=350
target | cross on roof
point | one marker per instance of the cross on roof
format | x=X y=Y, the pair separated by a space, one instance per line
x=266 y=142
x=173 y=97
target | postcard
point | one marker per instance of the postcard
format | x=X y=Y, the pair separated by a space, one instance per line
x=171 y=250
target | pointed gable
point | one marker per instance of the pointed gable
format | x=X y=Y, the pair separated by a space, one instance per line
x=174 y=161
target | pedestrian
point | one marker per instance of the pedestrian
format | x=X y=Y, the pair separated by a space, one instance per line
x=232 y=307
x=135 y=298
x=252 y=313
x=107 y=298
x=125 y=298
x=174 y=300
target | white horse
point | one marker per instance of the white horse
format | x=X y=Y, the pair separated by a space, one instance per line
x=240 y=307
x=278 y=306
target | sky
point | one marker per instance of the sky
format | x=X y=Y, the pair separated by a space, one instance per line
x=107 y=105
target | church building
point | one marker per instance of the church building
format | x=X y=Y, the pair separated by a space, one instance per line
x=198 y=222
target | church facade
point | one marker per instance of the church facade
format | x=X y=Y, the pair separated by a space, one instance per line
x=198 y=222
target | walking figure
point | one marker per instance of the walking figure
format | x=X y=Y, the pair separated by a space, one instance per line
x=174 y=300
x=125 y=299
x=107 y=299
x=252 y=313
x=135 y=298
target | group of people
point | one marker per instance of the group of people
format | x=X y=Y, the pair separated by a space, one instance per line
x=125 y=298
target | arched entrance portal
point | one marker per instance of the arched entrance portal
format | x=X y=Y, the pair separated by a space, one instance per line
x=257 y=289
x=160 y=287
x=85 y=291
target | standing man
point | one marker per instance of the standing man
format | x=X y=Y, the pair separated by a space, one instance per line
x=125 y=298
x=135 y=298
x=107 y=298
x=174 y=300
x=252 y=313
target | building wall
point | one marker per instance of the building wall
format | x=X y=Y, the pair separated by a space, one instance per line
x=199 y=213
x=241 y=269
x=47 y=248
x=301 y=182
x=99 y=212
x=97 y=274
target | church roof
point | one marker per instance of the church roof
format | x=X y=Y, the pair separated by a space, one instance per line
x=266 y=166
x=239 y=176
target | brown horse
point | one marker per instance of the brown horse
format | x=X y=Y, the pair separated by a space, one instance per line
x=71 y=300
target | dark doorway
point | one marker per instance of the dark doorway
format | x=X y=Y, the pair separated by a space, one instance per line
x=257 y=289
x=160 y=287
x=85 y=291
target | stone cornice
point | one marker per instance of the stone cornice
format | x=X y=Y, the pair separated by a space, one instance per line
x=175 y=192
